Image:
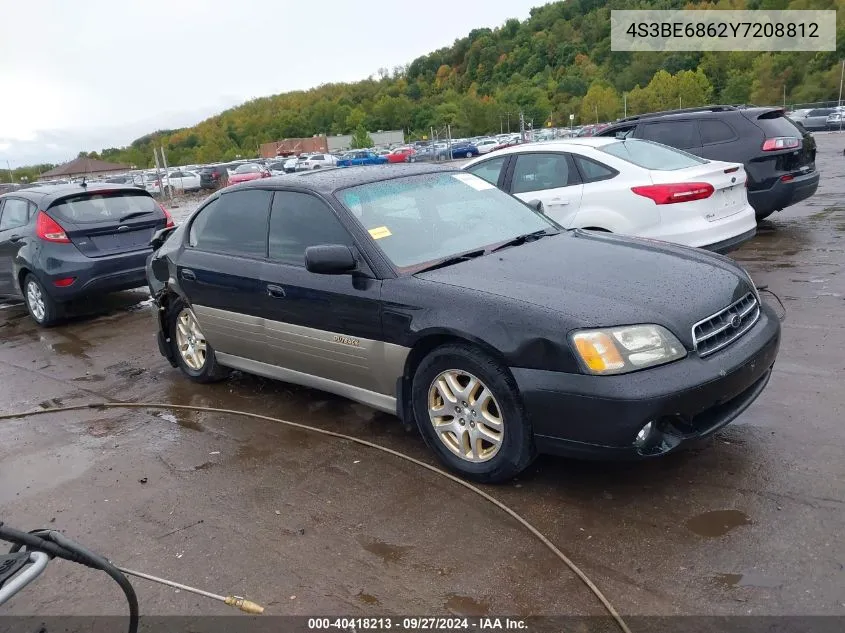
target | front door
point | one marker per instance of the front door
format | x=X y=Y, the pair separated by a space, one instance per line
x=551 y=178
x=324 y=327
x=220 y=271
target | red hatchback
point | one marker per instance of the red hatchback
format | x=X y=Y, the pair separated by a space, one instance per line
x=401 y=155
x=247 y=172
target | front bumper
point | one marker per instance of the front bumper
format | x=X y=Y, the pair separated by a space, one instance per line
x=599 y=416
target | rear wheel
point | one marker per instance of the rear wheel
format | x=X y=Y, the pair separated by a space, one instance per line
x=762 y=215
x=193 y=352
x=469 y=412
x=45 y=310
x=469 y=154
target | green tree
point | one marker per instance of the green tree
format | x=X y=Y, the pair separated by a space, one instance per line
x=601 y=102
x=361 y=138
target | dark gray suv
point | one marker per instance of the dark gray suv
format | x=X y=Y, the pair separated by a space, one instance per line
x=59 y=243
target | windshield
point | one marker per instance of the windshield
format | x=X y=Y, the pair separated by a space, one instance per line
x=421 y=219
x=247 y=169
x=651 y=155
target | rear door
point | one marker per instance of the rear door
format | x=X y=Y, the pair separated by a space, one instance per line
x=219 y=270
x=550 y=177
x=16 y=216
x=102 y=223
x=328 y=326
x=680 y=134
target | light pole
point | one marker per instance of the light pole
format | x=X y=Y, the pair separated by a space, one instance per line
x=11 y=176
x=625 y=104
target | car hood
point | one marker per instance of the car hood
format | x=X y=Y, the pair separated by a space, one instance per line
x=600 y=280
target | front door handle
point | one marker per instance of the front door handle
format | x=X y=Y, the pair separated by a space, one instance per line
x=558 y=202
x=188 y=274
x=277 y=292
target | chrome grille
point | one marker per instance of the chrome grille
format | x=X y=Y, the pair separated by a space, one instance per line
x=724 y=327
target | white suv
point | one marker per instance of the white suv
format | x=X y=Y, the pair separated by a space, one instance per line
x=316 y=161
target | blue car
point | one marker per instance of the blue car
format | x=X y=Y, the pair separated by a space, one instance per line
x=361 y=157
x=464 y=150
x=63 y=242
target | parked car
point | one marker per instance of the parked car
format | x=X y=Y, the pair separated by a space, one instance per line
x=185 y=180
x=814 y=120
x=627 y=186
x=779 y=158
x=247 y=172
x=316 y=161
x=63 y=242
x=401 y=155
x=463 y=150
x=835 y=119
x=361 y=157
x=153 y=183
x=277 y=168
x=486 y=145
x=135 y=180
x=507 y=335
x=214 y=177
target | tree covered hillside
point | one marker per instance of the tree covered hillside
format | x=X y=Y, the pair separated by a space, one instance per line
x=556 y=62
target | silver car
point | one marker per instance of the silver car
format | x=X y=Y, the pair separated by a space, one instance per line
x=814 y=120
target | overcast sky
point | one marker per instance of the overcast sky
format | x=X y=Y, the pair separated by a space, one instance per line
x=98 y=73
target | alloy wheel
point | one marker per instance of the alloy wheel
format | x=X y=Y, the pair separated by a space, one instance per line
x=190 y=340
x=35 y=300
x=465 y=415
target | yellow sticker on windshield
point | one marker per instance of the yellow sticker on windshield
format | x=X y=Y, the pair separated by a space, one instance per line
x=380 y=232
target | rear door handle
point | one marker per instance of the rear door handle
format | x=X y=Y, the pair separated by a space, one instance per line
x=559 y=201
x=277 y=292
x=188 y=274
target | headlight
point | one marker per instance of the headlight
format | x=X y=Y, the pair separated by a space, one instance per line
x=628 y=348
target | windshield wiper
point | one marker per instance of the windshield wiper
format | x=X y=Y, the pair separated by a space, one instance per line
x=134 y=214
x=522 y=239
x=457 y=259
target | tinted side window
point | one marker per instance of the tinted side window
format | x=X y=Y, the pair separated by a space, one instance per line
x=235 y=223
x=15 y=214
x=680 y=134
x=300 y=220
x=318 y=157
x=489 y=170
x=537 y=172
x=593 y=171
x=713 y=131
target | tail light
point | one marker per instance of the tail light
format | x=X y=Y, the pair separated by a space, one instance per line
x=781 y=142
x=167 y=217
x=787 y=178
x=47 y=229
x=675 y=192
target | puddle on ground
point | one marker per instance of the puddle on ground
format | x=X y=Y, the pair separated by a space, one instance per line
x=182 y=418
x=69 y=345
x=103 y=427
x=751 y=579
x=717 y=522
x=367 y=598
x=465 y=606
x=89 y=378
x=251 y=451
x=387 y=552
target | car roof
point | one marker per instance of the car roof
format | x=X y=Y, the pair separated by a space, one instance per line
x=333 y=178
x=46 y=195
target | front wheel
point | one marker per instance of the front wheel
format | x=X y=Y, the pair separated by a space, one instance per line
x=193 y=352
x=469 y=412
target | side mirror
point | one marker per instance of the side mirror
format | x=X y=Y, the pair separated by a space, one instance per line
x=537 y=205
x=329 y=259
x=161 y=236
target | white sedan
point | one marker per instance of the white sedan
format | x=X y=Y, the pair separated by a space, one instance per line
x=628 y=186
x=184 y=181
x=316 y=161
x=486 y=145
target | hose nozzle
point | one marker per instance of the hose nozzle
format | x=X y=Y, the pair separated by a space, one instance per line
x=247 y=606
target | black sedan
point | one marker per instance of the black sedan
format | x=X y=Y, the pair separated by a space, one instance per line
x=430 y=294
x=63 y=242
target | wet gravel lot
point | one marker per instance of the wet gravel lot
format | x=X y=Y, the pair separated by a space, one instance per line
x=749 y=522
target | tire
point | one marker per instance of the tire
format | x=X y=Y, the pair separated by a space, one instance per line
x=43 y=309
x=762 y=215
x=316 y=167
x=469 y=154
x=412 y=160
x=208 y=370
x=489 y=462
